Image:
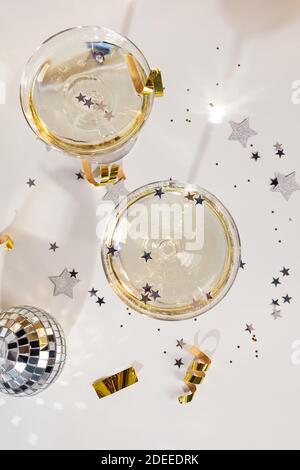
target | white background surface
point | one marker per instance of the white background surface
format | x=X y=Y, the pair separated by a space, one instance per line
x=251 y=403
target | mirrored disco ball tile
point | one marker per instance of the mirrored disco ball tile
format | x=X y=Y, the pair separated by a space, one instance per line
x=32 y=351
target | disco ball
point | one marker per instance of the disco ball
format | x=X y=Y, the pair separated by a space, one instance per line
x=32 y=351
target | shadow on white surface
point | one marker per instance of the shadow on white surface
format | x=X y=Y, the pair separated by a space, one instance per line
x=248 y=18
x=209 y=343
x=31 y=263
x=256 y=17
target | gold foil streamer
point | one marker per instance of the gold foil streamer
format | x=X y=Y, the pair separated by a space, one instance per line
x=195 y=373
x=115 y=383
x=154 y=84
x=5 y=239
x=134 y=73
x=108 y=174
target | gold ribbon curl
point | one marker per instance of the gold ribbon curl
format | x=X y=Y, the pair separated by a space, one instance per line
x=196 y=372
x=108 y=174
x=115 y=383
x=7 y=241
x=153 y=84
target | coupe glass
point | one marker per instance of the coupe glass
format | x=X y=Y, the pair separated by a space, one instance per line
x=171 y=250
x=88 y=91
x=32 y=351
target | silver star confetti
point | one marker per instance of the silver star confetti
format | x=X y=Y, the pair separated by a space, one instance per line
x=276 y=314
x=180 y=343
x=287 y=184
x=155 y=294
x=195 y=303
x=116 y=192
x=102 y=106
x=53 y=247
x=278 y=146
x=64 y=283
x=249 y=328
x=109 y=115
x=30 y=182
x=241 y=131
